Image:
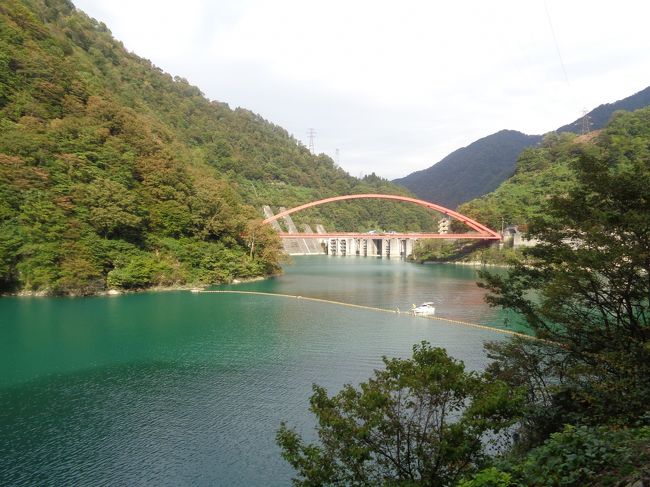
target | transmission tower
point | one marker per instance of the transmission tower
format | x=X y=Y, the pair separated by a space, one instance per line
x=584 y=129
x=312 y=134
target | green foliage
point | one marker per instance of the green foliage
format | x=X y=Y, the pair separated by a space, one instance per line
x=548 y=376
x=578 y=456
x=589 y=274
x=419 y=421
x=137 y=272
x=574 y=457
x=494 y=255
x=112 y=209
x=541 y=173
x=79 y=272
x=584 y=289
x=489 y=477
x=101 y=147
x=581 y=393
x=471 y=171
x=434 y=250
x=464 y=251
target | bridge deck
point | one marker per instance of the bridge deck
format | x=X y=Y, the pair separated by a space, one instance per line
x=389 y=235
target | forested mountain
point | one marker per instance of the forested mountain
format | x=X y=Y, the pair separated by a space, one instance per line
x=547 y=171
x=116 y=174
x=471 y=171
x=599 y=117
x=479 y=168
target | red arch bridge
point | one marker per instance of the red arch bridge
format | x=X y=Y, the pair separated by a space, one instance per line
x=482 y=232
x=368 y=244
x=389 y=244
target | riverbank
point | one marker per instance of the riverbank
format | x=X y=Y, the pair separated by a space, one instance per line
x=120 y=292
x=475 y=254
x=470 y=263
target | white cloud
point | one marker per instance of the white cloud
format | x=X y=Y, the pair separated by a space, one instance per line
x=395 y=86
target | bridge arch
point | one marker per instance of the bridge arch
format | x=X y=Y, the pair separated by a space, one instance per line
x=484 y=232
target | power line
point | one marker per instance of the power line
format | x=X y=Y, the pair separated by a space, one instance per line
x=557 y=45
x=312 y=134
x=585 y=124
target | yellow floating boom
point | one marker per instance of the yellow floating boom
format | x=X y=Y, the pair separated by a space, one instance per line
x=382 y=310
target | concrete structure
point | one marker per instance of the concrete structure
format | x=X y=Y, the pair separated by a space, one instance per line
x=388 y=244
x=268 y=213
x=512 y=237
x=381 y=245
x=300 y=243
x=313 y=245
x=294 y=246
x=370 y=246
x=443 y=225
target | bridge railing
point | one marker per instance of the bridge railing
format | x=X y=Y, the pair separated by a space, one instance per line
x=482 y=232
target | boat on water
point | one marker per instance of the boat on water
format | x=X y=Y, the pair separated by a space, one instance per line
x=425 y=309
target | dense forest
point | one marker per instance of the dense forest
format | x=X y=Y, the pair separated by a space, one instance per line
x=116 y=174
x=471 y=171
x=545 y=171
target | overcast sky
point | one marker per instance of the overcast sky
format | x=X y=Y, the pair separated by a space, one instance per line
x=395 y=85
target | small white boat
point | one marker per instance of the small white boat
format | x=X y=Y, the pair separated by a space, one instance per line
x=425 y=309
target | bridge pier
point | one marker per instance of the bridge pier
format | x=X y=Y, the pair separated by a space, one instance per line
x=392 y=248
x=376 y=245
x=370 y=247
x=406 y=246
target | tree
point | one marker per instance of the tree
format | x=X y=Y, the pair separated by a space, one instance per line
x=586 y=286
x=264 y=246
x=420 y=421
x=113 y=209
x=597 y=456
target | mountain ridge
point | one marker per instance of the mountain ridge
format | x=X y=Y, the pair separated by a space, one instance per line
x=467 y=173
x=548 y=170
x=443 y=183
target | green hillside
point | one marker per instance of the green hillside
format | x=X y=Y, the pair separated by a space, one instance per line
x=116 y=174
x=547 y=171
x=471 y=171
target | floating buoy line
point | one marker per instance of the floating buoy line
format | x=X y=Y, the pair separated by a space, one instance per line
x=371 y=308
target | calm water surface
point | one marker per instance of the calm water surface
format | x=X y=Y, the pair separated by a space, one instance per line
x=189 y=389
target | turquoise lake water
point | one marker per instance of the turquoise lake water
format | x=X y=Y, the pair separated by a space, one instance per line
x=176 y=388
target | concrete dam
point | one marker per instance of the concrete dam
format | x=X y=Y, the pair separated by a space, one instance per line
x=366 y=245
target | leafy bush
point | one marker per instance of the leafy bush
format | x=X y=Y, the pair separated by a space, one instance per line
x=138 y=272
x=489 y=477
x=419 y=421
x=582 y=455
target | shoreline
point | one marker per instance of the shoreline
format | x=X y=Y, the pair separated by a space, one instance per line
x=201 y=287
x=121 y=292
x=473 y=263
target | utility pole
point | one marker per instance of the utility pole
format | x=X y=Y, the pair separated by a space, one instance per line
x=585 y=128
x=312 y=134
x=337 y=157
